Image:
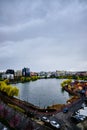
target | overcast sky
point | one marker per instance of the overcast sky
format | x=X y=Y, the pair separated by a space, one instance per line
x=44 y=35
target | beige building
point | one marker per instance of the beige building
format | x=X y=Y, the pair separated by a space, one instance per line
x=18 y=73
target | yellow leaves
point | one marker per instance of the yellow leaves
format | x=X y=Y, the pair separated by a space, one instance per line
x=22 y=79
x=66 y=82
x=16 y=108
x=6 y=81
x=12 y=91
x=8 y=89
x=69 y=87
x=28 y=79
x=2 y=86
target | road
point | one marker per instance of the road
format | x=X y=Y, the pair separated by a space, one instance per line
x=65 y=118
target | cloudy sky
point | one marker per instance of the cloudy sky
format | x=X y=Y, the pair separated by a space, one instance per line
x=43 y=35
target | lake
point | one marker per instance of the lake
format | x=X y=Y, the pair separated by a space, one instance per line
x=43 y=92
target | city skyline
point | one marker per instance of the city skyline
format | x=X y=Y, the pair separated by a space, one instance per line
x=43 y=35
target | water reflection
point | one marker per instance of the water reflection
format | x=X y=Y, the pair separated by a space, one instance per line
x=43 y=92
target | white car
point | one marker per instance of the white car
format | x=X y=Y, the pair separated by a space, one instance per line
x=82 y=117
x=55 y=124
x=79 y=118
x=45 y=119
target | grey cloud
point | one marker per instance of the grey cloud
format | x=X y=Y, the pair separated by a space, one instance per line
x=43 y=34
x=60 y=19
x=15 y=12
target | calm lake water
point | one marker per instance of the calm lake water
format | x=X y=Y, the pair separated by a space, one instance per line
x=43 y=92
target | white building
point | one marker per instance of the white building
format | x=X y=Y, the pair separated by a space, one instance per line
x=7 y=76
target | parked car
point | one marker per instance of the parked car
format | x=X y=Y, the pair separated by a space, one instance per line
x=55 y=124
x=78 y=118
x=82 y=117
x=65 y=110
x=45 y=119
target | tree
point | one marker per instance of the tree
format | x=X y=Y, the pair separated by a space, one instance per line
x=8 y=89
x=66 y=82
